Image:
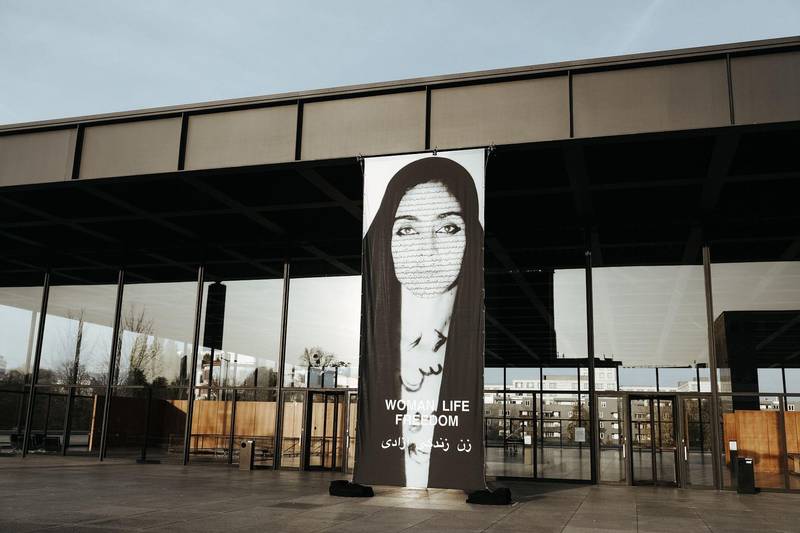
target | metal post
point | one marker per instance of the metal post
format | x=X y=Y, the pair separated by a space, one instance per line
x=187 y=436
x=112 y=362
x=281 y=363
x=712 y=356
x=37 y=357
x=232 y=435
x=594 y=434
x=143 y=458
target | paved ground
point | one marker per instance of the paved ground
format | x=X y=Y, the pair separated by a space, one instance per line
x=50 y=494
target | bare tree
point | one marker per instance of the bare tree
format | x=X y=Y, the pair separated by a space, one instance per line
x=145 y=350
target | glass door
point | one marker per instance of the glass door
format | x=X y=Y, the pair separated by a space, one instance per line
x=291 y=443
x=653 y=441
x=696 y=452
x=352 y=421
x=325 y=430
x=613 y=453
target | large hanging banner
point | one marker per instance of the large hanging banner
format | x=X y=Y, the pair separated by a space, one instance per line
x=420 y=420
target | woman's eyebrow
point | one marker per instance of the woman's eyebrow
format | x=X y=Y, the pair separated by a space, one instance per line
x=449 y=213
x=406 y=217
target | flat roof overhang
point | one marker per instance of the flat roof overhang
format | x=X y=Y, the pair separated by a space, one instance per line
x=707 y=156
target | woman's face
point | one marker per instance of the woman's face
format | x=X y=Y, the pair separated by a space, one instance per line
x=428 y=239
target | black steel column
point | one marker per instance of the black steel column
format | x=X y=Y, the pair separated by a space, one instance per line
x=36 y=360
x=281 y=362
x=712 y=357
x=198 y=310
x=594 y=434
x=112 y=362
x=232 y=435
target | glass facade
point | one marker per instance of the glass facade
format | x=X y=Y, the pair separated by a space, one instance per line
x=652 y=388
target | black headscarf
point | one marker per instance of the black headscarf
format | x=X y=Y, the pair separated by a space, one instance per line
x=379 y=370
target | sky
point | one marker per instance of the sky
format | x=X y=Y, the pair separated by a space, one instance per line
x=61 y=59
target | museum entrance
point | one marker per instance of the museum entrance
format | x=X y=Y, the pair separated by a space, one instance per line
x=325 y=431
x=654 y=453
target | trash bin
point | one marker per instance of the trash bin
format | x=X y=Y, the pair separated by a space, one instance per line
x=745 y=476
x=247 y=455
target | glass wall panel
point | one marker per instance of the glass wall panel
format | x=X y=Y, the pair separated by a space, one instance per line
x=523 y=378
x=212 y=423
x=77 y=336
x=323 y=332
x=67 y=417
x=255 y=412
x=756 y=324
x=678 y=380
x=157 y=323
x=147 y=423
x=637 y=379
x=559 y=379
x=241 y=333
x=19 y=320
x=751 y=428
x=791 y=422
x=605 y=378
x=648 y=317
x=493 y=378
x=564 y=445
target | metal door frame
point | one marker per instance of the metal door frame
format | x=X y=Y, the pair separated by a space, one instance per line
x=338 y=398
x=676 y=435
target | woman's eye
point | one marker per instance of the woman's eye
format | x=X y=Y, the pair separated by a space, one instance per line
x=450 y=229
x=406 y=230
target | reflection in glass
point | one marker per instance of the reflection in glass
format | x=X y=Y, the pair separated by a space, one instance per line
x=241 y=323
x=157 y=323
x=756 y=325
x=77 y=335
x=323 y=332
x=19 y=319
x=648 y=317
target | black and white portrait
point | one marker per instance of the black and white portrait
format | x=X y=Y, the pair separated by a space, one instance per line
x=420 y=416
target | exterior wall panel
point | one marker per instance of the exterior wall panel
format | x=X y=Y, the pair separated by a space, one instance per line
x=500 y=113
x=27 y=158
x=128 y=148
x=388 y=123
x=237 y=138
x=647 y=99
x=766 y=88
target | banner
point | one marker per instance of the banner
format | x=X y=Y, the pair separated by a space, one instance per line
x=420 y=420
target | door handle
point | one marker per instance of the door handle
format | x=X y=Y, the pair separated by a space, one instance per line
x=685 y=453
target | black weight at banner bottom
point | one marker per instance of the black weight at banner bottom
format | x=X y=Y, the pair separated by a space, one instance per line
x=344 y=488
x=499 y=496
